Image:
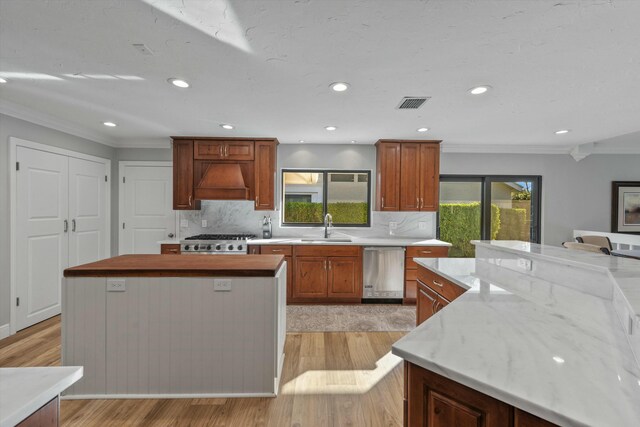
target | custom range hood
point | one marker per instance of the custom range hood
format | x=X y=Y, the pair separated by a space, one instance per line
x=223 y=181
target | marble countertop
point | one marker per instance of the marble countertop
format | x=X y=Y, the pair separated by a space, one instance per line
x=359 y=241
x=550 y=350
x=25 y=390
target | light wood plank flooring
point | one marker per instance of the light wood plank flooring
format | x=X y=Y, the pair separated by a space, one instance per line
x=329 y=379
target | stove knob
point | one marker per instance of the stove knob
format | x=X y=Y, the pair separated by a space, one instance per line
x=218 y=247
x=239 y=247
x=230 y=247
x=186 y=247
x=195 y=248
x=209 y=247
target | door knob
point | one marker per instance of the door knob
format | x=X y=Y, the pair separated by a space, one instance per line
x=171 y=235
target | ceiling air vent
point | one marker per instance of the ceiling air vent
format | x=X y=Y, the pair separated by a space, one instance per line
x=412 y=102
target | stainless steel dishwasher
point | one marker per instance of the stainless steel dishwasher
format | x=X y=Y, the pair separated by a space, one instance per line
x=383 y=272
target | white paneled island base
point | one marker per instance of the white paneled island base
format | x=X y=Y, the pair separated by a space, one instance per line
x=173 y=337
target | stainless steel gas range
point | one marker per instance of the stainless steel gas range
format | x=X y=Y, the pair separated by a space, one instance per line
x=216 y=244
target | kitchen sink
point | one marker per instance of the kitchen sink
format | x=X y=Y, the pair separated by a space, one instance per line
x=327 y=239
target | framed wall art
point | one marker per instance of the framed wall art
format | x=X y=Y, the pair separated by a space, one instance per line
x=625 y=207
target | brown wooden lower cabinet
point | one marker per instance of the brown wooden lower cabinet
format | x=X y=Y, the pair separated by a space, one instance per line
x=170 y=248
x=46 y=416
x=410 y=267
x=432 y=400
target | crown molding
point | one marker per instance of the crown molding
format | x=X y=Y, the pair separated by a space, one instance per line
x=505 y=149
x=21 y=112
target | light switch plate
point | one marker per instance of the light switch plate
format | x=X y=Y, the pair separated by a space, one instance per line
x=525 y=264
x=422 y=225
x=184 y=223
x=222 y=285
x=116 y=285
x=393 y=225
x=204 y=223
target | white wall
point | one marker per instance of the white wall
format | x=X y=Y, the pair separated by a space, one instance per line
x=12 y=127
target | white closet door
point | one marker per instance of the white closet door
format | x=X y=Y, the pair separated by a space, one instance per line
x=42 y=243
x=87 y=212
x=148 y=214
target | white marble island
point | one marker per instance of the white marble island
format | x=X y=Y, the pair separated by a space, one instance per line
x=546 y=337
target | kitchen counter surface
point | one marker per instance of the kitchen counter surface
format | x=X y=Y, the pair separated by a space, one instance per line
x=25 y=390
x=554 y=351
x=180 y=266
x=357 y=241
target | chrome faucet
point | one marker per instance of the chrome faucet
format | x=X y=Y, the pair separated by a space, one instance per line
x=328 y=223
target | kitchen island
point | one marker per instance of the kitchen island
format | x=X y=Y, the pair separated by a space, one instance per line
x=166 y=326
x=541 y=336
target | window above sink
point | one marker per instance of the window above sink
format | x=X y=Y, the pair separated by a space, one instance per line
x=309 y=194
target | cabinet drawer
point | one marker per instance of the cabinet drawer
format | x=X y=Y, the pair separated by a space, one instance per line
x=327 y=250
x=410 y=290
x=427 y=251
x=170 y=248
x=443 y=287
x=276 y=249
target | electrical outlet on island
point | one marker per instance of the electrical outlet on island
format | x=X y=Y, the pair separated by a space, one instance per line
x=204 y=223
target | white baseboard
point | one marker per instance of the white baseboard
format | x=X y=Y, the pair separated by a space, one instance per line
x=4 y=331
x=165 y=396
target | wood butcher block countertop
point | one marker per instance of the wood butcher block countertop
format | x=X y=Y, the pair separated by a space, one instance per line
x=180 y=266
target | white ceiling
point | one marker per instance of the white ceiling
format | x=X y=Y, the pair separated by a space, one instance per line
x=265 y=67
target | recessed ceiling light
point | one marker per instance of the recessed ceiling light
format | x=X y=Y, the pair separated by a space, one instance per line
x=479 y=90
x=178 y=82
x=562 y=131
x=339 y=86
x=331 y=127
x=558 y=359
x=110 y=124
x=422 y=129
x=353 y=141
x=301 y=141
x=2 y=80
x=226 y=126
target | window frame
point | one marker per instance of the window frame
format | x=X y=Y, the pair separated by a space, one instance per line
x=535 y=231
x=325 y=185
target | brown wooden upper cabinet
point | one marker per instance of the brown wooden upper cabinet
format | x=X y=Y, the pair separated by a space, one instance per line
x=183 y=197
x=223 y=150
x=198 y=162
x=407 y=175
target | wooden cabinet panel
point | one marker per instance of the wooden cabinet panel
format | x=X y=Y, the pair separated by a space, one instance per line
x=223 y=150
x=410 y=177
x=311 y=277
x=425 y=304
x=277 y=249
x=427 y=251
x=429 y=176
x=436 y=401
x=525 y=419
x=327 y=250
x=439 y=284
x=265 y=174
x=254 y=249
x=170 y=248
x=410 y=267
x=410 y=291
x=46 y=416
x=183 y=196
x=208 y=150
x=343 y=277
x=388 y=176
x=238 y=150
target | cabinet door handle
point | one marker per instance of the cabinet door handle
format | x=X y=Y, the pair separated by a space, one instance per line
x=276 y=250
x=325 y=264
x=66 y=225
x=73 y=225
x=437 y=283
x=189 y=199
x=425 y=252
x=257 y=200
x=383 y=202
x=417 y=202
x=220 y=148
x=329 y=264
x=226 y=151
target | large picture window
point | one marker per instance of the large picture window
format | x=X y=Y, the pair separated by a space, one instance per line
x=308 y=195
x=488 y=207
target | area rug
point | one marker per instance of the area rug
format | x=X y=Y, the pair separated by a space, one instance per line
x=350 y=318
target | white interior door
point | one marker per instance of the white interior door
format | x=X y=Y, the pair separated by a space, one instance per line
x=87 y=213
x=147 y=214
x=42 y=243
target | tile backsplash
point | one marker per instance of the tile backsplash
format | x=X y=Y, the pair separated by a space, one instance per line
x=240 y=216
